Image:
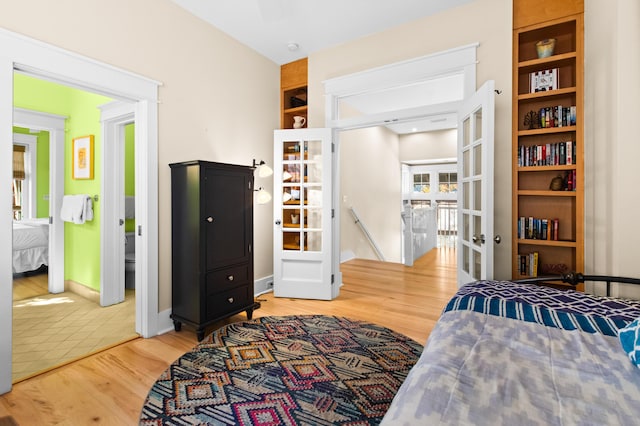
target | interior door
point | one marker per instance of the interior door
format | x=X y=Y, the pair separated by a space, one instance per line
x=475 y=191
x=302 y=214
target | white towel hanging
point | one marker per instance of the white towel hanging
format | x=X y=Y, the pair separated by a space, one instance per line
x=76 y=209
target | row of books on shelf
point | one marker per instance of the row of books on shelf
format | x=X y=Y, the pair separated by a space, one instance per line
x=529 y=264
x=544 y=80
x=550 y=154
x=557 y=116
x=531 y=228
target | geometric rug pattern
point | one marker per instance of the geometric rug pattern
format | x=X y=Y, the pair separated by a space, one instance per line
x=288 y=370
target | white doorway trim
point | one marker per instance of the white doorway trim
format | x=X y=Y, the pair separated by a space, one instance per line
x=462 y=59
x=54 y=124
x=20 y=53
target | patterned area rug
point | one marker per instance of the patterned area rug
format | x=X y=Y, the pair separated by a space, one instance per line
x=314 y=370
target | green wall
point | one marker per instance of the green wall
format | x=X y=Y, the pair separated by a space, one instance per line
x=129 y=169
x=82 y=242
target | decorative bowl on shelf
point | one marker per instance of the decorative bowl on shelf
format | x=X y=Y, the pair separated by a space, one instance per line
x=545 y=47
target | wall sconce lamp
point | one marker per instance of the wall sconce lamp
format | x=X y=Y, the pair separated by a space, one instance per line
x=262 y=169
x=262 y=196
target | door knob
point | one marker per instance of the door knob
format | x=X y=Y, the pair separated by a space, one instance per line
x=209 y=219
x=475 y=238
x=278 y=222
x=497 y=239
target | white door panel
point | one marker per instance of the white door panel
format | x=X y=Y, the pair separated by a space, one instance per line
x=475 y=189
x=302 y=214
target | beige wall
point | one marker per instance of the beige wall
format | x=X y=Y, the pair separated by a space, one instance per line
x=219 y=100
x=488 y=22
x=370 y=171
x=612 y=90
x=429 y=145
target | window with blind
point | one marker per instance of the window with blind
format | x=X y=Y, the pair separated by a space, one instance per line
x=19 y=175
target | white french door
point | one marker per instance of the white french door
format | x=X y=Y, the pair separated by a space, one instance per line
x=475 y=189
x=302 y=214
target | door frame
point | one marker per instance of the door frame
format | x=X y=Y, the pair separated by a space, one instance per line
x=461 y=59
x=42 y=60
x=54 y=124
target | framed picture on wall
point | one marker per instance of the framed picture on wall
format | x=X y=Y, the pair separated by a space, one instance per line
x=82 y=161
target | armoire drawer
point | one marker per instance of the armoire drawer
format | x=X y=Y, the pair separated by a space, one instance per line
x=227 y=278
x=220 y=303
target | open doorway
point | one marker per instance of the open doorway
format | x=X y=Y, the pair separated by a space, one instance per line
x=427 y=90
x=397 y=193
x=54 y=64
x=66 y=318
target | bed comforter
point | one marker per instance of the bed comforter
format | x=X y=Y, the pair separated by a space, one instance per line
x=505 y=353
x=30 y=245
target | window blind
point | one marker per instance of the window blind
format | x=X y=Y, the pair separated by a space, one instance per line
x=18 y=162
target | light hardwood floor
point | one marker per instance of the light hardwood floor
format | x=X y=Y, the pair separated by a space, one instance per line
x=109 y=388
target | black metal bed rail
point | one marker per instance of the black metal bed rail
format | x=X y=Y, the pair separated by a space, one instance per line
x=575 y=278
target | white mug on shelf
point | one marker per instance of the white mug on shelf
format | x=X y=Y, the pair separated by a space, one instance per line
x=298 y=121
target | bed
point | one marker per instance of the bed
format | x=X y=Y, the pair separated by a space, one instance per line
x=521 y=353
x=30 y=245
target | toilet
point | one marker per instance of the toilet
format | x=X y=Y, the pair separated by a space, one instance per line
x=130 y=260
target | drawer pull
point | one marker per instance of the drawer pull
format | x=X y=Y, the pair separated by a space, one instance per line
x=210 y=219
x=230 y=277
x=230 y=300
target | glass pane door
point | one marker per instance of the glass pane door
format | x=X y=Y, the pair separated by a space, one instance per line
x=302 y=195
x=302 y=214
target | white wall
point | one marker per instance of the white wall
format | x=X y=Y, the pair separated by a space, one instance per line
x=370 y=170
x=612 y=90
x=488 y=22
x=429 y=145
x=219 y=100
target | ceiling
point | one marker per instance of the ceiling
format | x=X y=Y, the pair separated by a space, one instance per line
x=273 y=27
x=270 y=26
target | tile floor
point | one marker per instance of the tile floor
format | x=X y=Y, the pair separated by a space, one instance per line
x=54 y=329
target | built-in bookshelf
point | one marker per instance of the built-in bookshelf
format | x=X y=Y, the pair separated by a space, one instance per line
x=293 y=93
x=548 y=144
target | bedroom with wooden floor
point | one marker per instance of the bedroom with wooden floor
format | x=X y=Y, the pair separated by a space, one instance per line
x=110 y=387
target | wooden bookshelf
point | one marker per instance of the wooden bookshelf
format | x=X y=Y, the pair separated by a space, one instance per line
x=293 y=92
x=532 y=192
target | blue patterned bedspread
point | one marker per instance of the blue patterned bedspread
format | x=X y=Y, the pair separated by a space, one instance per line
x=505 y=353
x=566 y=309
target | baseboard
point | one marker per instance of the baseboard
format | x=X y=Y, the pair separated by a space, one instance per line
x=263 y=285
x=346 y=256
x=165 y=323
x=82 y=290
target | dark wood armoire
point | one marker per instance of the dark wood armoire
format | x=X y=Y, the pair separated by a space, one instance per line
x=212 y=243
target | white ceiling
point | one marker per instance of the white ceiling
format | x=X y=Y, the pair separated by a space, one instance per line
x=269 y=26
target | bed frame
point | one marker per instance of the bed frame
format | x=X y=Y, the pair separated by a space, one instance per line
x=575 y=278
